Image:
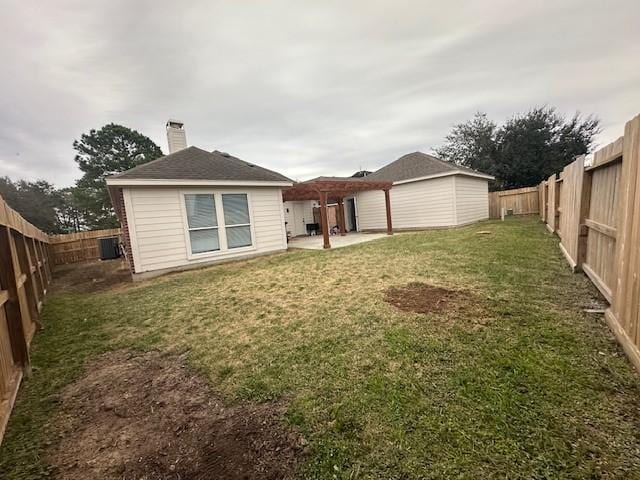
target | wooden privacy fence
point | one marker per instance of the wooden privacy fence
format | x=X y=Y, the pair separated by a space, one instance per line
x=519 y=201
x=25 y=273
x=79 y=247
x=595 y=210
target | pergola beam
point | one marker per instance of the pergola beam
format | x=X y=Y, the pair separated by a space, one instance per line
x=334 y=188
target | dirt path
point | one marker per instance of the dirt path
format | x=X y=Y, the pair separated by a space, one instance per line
x=92 y=276
x=148 y=416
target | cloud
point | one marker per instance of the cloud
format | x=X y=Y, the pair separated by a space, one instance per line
x=305 y=88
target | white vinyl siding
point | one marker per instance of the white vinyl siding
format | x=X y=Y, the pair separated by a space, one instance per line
x=472 y=199
x=422 y=204
x=298 y=214
x=157 y=225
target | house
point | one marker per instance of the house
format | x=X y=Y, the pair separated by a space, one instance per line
x=195 y=207
x=427 y=193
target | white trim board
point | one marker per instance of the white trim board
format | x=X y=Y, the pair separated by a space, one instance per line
x=193 y=183
x=444 y=174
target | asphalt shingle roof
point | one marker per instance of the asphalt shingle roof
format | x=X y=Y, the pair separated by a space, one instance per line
x=416 y=165
x=193 y=163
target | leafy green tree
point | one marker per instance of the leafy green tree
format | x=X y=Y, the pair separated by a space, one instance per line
x=525 y=150
x=472 y=144
x=533 y=146
x=69 y=214
x=112 y=149
x=35 y=201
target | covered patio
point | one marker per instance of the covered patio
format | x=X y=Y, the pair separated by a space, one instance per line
x=334 y=190
x=337 y=241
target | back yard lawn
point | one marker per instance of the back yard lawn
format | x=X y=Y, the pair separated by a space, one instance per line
x=512 y=379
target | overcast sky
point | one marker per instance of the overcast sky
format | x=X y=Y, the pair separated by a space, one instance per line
x=303 y=87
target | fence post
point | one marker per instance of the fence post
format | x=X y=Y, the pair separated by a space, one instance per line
x=552 y=205
x=541 y=200
x=585 y=206
x=9 y=281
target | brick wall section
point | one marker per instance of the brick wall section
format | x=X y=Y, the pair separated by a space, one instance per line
x=125 y=228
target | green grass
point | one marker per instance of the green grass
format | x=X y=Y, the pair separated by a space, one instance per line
x=523 y=385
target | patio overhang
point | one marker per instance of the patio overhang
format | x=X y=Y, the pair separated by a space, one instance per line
x=326 y=189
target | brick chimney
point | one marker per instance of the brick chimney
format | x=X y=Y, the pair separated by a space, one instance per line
x=176 y=136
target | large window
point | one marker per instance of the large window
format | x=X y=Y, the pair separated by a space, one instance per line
x=236 y=219
x=218 y=222
x=202 y=222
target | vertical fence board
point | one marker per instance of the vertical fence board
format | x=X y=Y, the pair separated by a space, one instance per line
x=494 y=205
x=552 y=205
x=542 y=200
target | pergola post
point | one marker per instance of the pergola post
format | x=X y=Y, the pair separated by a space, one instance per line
x=324 y=220
x=341 y=220
x=387 y=203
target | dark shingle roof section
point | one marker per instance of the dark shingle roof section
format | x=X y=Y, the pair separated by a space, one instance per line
x=416 y=165
x=193 y=163
x=330 y=179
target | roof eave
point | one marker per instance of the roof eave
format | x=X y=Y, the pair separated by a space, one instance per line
x=166 y=182
x=445 y=174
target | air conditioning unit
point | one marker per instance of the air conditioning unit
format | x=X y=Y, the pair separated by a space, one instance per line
x=109 y=248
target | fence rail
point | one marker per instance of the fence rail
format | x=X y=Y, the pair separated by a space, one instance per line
x=595 y=210
x=25 y=274
x=80 y=246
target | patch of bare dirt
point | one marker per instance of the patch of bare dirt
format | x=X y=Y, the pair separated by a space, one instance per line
x=149 y=417
x=92 y=276
x=424 y=298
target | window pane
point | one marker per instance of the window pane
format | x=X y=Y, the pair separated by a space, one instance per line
x=236 y=209
x=201 y=210
x=238 y=236
x=204 y=240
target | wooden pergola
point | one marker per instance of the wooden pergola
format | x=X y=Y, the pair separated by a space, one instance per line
x=326 y=189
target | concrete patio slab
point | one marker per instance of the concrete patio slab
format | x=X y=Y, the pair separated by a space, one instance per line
x=314 y=242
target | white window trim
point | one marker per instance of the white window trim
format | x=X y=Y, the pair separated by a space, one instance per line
x=222 y=232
